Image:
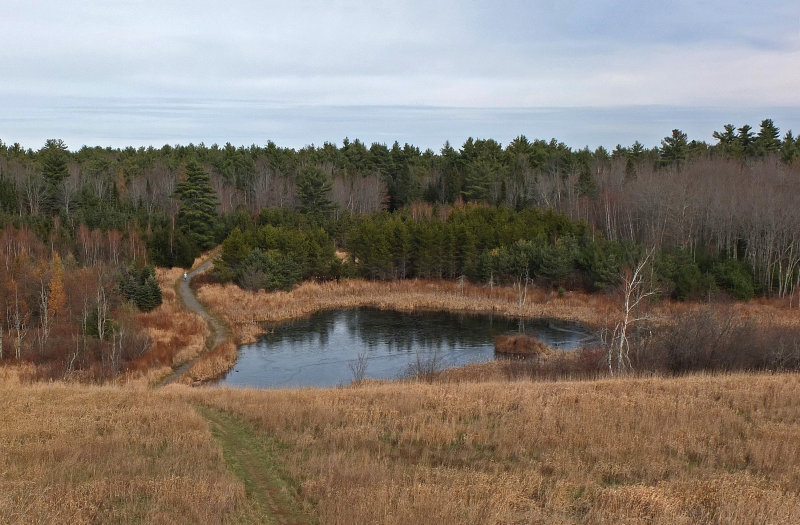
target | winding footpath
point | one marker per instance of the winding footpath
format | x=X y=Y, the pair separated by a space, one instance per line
x=218 y=330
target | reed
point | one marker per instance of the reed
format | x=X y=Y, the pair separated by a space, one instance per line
x=212 y=364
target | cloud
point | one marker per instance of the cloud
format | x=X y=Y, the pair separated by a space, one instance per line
x=511 y=54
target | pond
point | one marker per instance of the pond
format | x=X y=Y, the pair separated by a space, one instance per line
x=319 y=350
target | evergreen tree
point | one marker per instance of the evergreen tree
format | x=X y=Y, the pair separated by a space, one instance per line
x=53 y=163
x=674 y=148
x=745 y=140
x=768 y=139
x=727 y=139
x=198 y=209
x=141 y=287
x=149 y=296
x=313 y=190
x=789 y=148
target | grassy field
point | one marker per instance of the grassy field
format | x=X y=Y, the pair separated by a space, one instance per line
x=698 y=449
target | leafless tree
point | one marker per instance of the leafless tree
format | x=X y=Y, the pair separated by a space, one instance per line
x=635 y=289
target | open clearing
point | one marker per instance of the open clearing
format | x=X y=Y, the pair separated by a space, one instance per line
x=699 y=449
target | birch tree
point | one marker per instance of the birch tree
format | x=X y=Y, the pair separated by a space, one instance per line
x=635 y=289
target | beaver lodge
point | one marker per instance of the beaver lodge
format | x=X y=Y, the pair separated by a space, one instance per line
x=521 y=345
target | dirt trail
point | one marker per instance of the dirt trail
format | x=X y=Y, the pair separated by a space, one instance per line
x=218 y=330
x=253 y=459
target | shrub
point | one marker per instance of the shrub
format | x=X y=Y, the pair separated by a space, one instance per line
x=140 y=286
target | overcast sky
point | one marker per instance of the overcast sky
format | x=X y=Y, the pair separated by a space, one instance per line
x=586 y=72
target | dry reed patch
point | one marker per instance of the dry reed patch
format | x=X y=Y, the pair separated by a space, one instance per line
x=521 y=345
x=78 y=454
x=696 y=449
x=212 y=364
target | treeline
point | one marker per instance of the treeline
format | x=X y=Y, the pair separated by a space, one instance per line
x=484 y=244
x=733 y=196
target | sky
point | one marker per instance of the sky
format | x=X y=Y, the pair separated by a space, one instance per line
x=589 y=73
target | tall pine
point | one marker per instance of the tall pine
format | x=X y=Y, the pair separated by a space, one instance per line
x=313 y=191
x=197 y=213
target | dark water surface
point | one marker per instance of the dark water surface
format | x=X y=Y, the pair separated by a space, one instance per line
x=317 y=351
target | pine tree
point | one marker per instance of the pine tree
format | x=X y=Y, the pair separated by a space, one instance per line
x=789 y=148
x=198 y=209
x=768 y=139
x=53 y=163
x=674 y=148
x=745 y=140
x=313 y=190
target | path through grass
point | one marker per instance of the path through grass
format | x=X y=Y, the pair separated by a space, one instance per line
x=254 y=460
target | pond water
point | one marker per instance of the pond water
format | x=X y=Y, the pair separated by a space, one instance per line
x=319 y=350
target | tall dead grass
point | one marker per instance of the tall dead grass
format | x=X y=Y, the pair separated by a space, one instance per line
x=212 y=365
x=698 y=449
x=81 y=454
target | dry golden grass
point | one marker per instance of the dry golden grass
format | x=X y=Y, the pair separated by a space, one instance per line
x=699 y=449
x=178 y=335
x=691 y=450
x=80 y=454
x=212 y=364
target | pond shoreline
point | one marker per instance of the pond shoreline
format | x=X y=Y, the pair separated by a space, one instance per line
x=318 y=351
x=246 y=312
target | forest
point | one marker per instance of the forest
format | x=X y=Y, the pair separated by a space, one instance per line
x=80 y=231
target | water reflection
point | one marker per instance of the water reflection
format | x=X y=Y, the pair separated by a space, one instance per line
x=316 y=351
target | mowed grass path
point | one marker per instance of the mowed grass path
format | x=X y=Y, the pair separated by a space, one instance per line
x=254 y=459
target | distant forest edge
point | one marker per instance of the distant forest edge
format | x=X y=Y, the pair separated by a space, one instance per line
x=81 y=230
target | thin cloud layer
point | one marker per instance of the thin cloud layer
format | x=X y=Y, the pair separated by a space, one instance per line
x=449 y=54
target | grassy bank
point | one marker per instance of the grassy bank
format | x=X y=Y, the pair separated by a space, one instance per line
x=697 y=449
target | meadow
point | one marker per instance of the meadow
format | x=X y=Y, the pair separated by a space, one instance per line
x=695 y=449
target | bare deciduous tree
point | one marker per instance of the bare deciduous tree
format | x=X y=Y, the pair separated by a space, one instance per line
x=635 y=289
